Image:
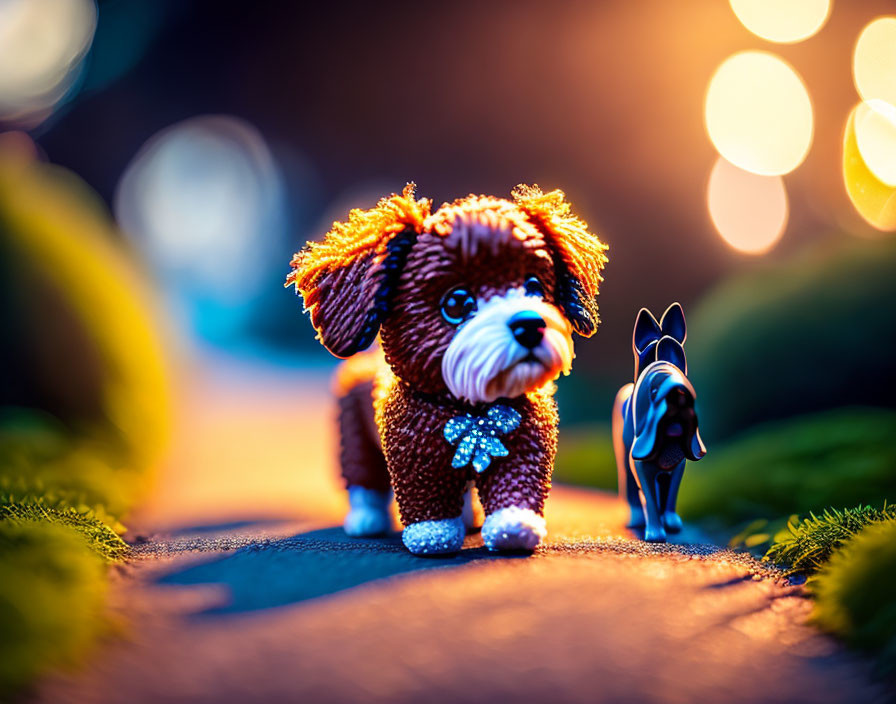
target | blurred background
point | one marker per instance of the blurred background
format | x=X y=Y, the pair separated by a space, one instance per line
x=161 y=160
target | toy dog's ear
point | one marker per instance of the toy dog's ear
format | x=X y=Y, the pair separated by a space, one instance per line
x=696 y=450
x=673 y=324
x=646 y=331
x=670 y=350
x=645 y=336
x=348 y=279
x=579 y=255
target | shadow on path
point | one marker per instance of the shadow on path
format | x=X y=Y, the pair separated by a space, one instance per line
x=278 y=572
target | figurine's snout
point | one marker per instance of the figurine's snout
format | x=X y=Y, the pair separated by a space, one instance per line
x=527 y=328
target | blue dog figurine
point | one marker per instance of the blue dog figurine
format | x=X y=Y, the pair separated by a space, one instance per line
x=654 y=424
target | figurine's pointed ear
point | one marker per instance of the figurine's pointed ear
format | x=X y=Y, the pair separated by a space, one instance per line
x=646 y=330
x=673 y=323
x=349 y=278
x=670 y=350
x=645 y=357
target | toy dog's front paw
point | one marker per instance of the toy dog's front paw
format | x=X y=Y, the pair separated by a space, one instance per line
x=513 y=528
x=434 y=537
x=369 y=514
x=672 y=522
x=655 y=534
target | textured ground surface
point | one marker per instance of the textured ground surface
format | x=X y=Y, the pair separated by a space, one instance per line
x=277 y=605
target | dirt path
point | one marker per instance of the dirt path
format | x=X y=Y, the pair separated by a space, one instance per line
x=285 y=608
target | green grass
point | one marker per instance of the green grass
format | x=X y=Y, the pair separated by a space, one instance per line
x=854 y=593
x=88 y=466
x=833 y=458
x=51 y=599
x=807 y=545
x=585 y=457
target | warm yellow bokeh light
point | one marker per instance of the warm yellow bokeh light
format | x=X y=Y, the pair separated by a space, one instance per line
x=874 y=200
x=875 y=125
x=874 y=61
x=758 y=113
x=748 y=210
x=782 y=21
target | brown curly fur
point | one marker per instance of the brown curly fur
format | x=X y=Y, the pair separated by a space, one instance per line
x=356 y=278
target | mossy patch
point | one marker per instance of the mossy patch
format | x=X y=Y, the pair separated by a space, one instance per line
x=51 y=599
x=854 y=593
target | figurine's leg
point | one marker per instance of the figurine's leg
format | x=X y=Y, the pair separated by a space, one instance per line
x=363 y=466
x=430 y=498
x=671 y=519
x=513 y=496
x=653 y=530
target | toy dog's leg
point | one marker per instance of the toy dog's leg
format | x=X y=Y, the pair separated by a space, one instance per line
x=513 y=498
x=653 y=530
x=433 y=521
x=363 y=465
x=671 y=519
x=430 y=495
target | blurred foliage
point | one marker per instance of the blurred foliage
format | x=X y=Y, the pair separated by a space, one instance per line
x=51 y=599
x=808 y=544
x=41 y=457
x=793 y=466
x=796 y=336
x=84 y=410
x=854 y=593
x=78 y=331
x=585 y=456
x=837 y=457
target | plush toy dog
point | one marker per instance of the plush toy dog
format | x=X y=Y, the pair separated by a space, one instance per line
x=475 y=305
x=654 y=424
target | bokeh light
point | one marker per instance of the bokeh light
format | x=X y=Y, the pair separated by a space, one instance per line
x=874 y=61
x=204 y=202
x=782 y=21
x=42 y=45
x=748 y=210
x=874 y=200
x=875 y=125
x=758 y=113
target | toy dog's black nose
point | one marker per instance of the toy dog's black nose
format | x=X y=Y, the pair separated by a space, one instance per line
x=528 y=328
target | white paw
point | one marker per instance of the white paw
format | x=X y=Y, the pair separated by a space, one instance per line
x=369 y=514
x=513 y=528
x=434 y=537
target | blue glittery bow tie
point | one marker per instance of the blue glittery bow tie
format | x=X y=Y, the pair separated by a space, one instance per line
x=476 y=437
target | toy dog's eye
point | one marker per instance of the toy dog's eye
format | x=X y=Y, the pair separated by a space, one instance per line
x=457 y=305
x=533 y=287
